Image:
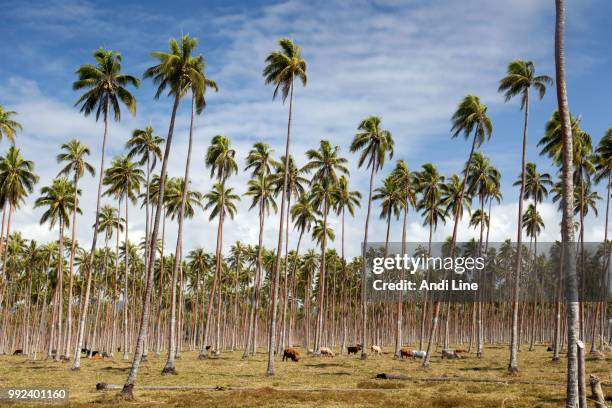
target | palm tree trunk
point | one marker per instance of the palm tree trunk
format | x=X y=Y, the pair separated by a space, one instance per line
x=128 y=387
x=59 y=288
x=285 y=282
x=279 y=248
x=71 y=278
x=400 y=301
x=364 y=303
x=126 y=279
x=567 y=225
x=94 y=240
x=169 y=367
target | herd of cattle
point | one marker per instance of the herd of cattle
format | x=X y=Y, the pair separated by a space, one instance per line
x=405 y=352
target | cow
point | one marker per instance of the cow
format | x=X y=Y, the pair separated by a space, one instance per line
x=405 y=352
x=419 y=354
x=18 y=352
x=106 y=355
x=376 y=350
x=292 y=354
x=97 y=357
x=325 y=351
x=353 y=349
x=460 y=350
x=84 y=351
x=549 y=348
x=94 y=353
x=208 y=347
x=450 y=354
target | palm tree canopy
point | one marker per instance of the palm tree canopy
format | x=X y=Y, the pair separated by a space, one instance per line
x=471 y=117
x=604 y=156
x=261 y=189
x=260 y=160
x=180 y=71
x=318 y=232
x=450 y=198
x=174 y=196
x=483 y=177
x=406 y=182
x=110 y=221
x=303 y=212
x=430 y=184
x=343 y=198
x=106 y=85
x=145 y=145
x=221 y=158
x=73 y=154
x=59 y=200
x=326 y=164
x=8 y=126
x=221 y=198
x=124 y=179
x=552 y=141
x=536 y=184
x=520 y=77
x=17 y=178
x=283 y=66
x=295 y=180
x=532 y=222
x=374 y=142
x=391 y=198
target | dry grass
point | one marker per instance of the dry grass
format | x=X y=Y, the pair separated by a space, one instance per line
x=354 y=378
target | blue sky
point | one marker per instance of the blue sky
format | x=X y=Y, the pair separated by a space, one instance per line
x=409 y=62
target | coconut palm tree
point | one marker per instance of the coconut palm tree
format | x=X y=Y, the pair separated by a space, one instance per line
x=145 y=145
x=327 y=164
x=261 y=189
x=73 y=155
x=344 y=200
x=471 y=120
x=221 y=200
x=282 y=68
x=124 y=180
x=17 y=180
x=519 y=80
x=375 y=144
x=106 y=89
x=176 y=72
x=406 y=183
x=295 y=187
x=430 y=184
x=59 y=201
x=220 y=158
x=198 y=83
x=8 y=126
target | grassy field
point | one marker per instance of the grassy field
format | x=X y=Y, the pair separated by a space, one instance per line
x=351 y=381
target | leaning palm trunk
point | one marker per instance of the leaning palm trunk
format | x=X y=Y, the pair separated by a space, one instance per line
x=144 y=321
x=279 y=248
x=169 y=367
x=567 y=230
x=84 y=306
x=125 y=281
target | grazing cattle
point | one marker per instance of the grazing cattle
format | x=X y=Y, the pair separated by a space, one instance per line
x=94 y=353
x=327 y=352
x=549 y=348
x=84 y=351
x=450 y=354
x=97 y=357
x=376 y=350
x=353 y=349
x=419 y=354
x=292 y=354
x=18 y=352
x=208 y=347
x=106 y=355
x=405 y=352
x=461 y=351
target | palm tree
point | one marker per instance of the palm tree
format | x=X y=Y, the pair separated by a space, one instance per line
x=220 y=158
x=17 y=180
x=177 y=71
x=146 y=145
x=375 y=144
x=282 y=67
x=470 y=119
x=221 y=201
x=8 y=127
x=198 y=83
x=343 y=200
x=430 y=184
x=575 y=384
x=73 y=154
x=124 y=179
x=106 y=88
x=261 y=189
x=295 y=187
x=520 y=78
x=406 y=184
x=326 y=164
x=59 y=198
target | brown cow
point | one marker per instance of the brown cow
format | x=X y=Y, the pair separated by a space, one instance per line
x=461 y=351
x=292 y=354
x=18 y=352
x=405 y=352
x=354 y=349
x=451 y=354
